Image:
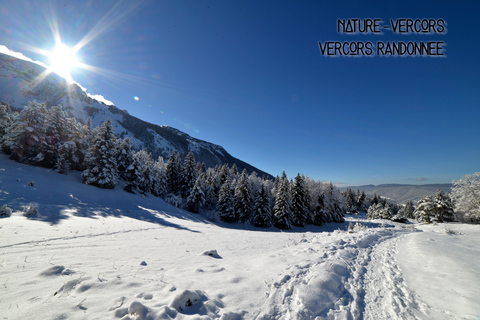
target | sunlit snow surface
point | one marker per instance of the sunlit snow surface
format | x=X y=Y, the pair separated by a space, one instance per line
x=108 y=254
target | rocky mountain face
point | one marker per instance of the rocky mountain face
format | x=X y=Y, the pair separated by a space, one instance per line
x=22 y=81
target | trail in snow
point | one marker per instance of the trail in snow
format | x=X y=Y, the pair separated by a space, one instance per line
x=352 y=277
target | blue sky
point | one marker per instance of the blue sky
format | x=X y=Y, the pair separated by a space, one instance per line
x=249 y=75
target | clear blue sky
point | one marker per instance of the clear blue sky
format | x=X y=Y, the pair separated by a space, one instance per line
x=249 y=75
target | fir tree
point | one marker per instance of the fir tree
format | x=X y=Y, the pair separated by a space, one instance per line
x=63 y=165
x=26 y=136
x=319 y=217
x=196 y=199
x=282 y=212
x=101 y=159
x=242 y=199
x=173 y=171
x=425 y=210
x=159 y=187
x=300 y=212
x=409 y=210
x=225 y=203
x=443 y=207
x=189 y=174
x=125 y=157
x=262 y=213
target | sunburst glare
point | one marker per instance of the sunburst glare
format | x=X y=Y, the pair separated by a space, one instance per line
x=62 y=60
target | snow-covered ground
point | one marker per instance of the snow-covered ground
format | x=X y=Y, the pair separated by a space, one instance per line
x=108 y=254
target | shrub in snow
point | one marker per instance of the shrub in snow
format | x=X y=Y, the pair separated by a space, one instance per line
x=188 y=302
x=175 y=200
x=30 y=211
x=31 y=183
x=5 y=211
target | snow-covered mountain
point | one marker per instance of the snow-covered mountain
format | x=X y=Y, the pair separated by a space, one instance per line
x=22 y=81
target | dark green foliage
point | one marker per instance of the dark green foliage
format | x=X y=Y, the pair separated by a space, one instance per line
x=262 y=213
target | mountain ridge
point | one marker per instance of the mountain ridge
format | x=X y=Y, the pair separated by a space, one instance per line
x=402 y=193
x=22 y=81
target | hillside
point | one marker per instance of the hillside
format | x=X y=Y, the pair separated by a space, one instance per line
x=401 y=193
x=22 y=81
x=106 y=254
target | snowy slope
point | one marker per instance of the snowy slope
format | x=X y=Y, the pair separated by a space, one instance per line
x=106 y=254
x=22 y=81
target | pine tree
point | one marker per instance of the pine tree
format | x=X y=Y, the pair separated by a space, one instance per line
x=56 y=125
x=125 y=157
x=188 y=175
x=225 y=203
x=443 y=207
x=27 y=135
x=159 y=187
x=425 y=210
x=361 y=200
x=262 y=213
x=63 y=165
x=196 y=199
x=173 y=171
x=101 y=159
x=350 y=201
x=300 y=212
x=6 y=119
x=242 y=198
x=409 y=210
x=319 y=217
x=282 y=212
x=145 y=173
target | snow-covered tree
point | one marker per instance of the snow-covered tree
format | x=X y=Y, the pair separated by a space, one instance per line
x=225 y=208
x=159 y=186
x=101 y=159
x=350 y=201
x=435 y=208
x=196 y=199
x=282 y=210
x=443 y=207
x=125 y=157
x=188 y=174
x=409 y=210
x=425 y=210
x=63 y=164
x=173 y=172
x=466 y=194
x=56 y=135
x=300 y=202
x=145 y=163
x=25 y=138
x=319 y=214
x=242 y=198
x=6 y=119
x=262 y=213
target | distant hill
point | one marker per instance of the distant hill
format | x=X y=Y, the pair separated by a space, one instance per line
x=22 y=81
x=401 y=193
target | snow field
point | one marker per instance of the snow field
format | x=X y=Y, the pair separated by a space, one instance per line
x=107 y=254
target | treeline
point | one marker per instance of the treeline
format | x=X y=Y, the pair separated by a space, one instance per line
x=53 y=139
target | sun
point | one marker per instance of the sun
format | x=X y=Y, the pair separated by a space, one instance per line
x=62 y=60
